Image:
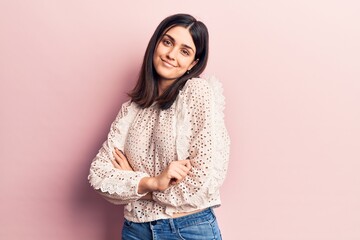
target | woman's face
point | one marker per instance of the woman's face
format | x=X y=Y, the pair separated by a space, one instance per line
x=174 y=54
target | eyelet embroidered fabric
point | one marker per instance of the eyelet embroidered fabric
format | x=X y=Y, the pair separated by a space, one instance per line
x=151 y=138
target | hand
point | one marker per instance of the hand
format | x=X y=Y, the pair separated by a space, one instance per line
x=174 y=173
x=148 y=196
x=120 y=161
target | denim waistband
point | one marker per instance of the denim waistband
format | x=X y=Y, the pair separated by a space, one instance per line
x=180 y=222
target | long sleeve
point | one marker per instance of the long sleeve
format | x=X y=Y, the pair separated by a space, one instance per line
x=116 y=186
x=202 y=137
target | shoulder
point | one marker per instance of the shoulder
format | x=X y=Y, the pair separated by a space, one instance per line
x=204 y=90
x=195 y=84
x=129 y=104
x=196 y=87
x=128 y=107
x=204 y=86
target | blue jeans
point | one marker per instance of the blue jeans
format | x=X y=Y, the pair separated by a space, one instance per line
x=197 y=226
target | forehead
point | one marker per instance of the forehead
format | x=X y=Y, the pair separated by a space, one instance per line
x=181 y=36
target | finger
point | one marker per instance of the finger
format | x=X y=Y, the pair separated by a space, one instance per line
x=127 y=165
x=122 y=160
x=185 y=162
x=179 y=168
x=176 y=175
x=182 y=170
x=180 y=163
x=176 y=181
x=119 y=160
x=188 y=165
x=116 y=164
x=179 y=175
x=120 y=153
x=116 y=155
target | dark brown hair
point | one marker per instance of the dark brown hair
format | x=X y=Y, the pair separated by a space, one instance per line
x=145 y=92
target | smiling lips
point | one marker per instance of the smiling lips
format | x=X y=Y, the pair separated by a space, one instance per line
x=166 y=63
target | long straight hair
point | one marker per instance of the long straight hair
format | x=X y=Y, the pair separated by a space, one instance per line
x=145 y=92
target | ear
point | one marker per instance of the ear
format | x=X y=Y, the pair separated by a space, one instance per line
x=193 y=64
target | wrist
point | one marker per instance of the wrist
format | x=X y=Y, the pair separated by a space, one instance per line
x=147 y=184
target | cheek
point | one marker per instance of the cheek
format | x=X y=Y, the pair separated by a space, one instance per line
x=160 y=50
x=157 y=54
x=185 y=62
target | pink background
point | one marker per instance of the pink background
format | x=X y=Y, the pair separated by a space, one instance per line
x=291 y=74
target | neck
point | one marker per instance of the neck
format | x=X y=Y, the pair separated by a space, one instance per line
x=163 y=85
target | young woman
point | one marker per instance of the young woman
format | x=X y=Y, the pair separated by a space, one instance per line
x=167 y=151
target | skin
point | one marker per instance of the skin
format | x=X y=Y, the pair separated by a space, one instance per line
x=173 y=56
x=174 y=173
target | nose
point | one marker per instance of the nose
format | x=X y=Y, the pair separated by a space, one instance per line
x=171 y=54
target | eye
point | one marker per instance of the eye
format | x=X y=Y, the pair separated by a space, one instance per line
x=185 y=52
x=167 y=42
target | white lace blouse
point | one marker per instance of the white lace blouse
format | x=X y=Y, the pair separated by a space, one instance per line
x=193 y=127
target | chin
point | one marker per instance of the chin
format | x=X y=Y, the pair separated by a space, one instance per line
x=166 y=75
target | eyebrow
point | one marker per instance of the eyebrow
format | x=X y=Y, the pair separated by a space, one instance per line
x=173 y=39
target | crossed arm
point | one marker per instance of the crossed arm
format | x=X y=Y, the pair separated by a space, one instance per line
x=174 y=173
